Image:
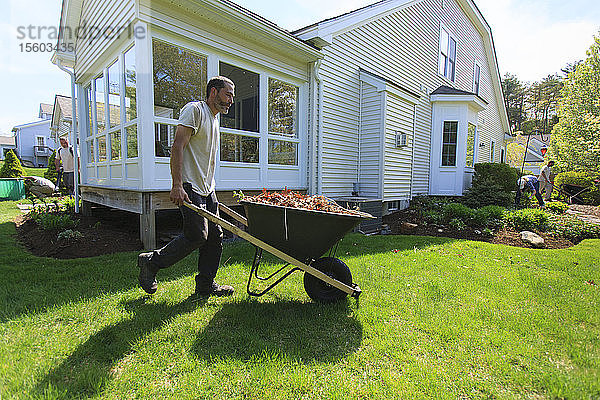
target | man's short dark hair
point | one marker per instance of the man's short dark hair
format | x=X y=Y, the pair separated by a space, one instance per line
x=217 y=82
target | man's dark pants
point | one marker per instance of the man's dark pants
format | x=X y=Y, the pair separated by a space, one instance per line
x=69 y=181
x=538 y=196
x=198 y=233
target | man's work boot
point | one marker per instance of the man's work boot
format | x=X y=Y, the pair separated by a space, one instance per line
x=147 y=277
x=215 y=290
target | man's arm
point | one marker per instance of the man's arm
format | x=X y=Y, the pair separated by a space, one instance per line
x=182 y=138
x=57 y=159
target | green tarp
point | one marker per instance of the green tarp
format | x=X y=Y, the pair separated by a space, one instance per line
x=11 y=189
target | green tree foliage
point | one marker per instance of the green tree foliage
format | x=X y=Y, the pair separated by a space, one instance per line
x=514 y=100
x=575 y=142
x=51 y=170
x=541 y=105
x=12 y=166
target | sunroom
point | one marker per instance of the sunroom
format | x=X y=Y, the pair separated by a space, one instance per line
x=132 y=92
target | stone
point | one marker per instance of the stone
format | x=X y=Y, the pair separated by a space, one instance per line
x=533 y=239
x=407 y=227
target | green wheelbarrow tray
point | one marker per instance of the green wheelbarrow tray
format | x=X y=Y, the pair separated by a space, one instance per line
x=298 y=237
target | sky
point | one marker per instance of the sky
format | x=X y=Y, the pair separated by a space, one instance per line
x=533 y=38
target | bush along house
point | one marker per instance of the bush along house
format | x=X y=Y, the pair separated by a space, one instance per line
x=373 y=107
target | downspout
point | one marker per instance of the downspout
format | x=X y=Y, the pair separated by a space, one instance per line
x=412 y=156
x=356 y=189
x=73 y=133
x=319 y=122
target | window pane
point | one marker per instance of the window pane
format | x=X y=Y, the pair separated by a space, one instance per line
x=115 y=145
x=283 y=153
x=476 y=78
x=132 y=149
x=164 y=135
x=470 y=146
x=451 y=59
x=243 y=114
x=114 y=97
x=130 y=85
x=102 y=148
x=99 y=100
x=239 y=148
x=179 y=77
x=283 y=109
x=90 y=145
x=89 y=101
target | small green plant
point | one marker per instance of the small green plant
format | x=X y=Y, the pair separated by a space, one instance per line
x=12 y=166
x=557 y=207
x=458 y=211
x=528 y=219
x=457 y=224
x=69 y=236
x=54 y=222
x=433 y=217
x=97 y=225
x=488 y=217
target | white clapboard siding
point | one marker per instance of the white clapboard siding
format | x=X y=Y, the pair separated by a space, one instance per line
x=397 y=164
x=101 y=14
x=402 y=47
x=370 y=142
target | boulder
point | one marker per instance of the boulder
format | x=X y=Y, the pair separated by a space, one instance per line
x=407 y=227
x=533 y=239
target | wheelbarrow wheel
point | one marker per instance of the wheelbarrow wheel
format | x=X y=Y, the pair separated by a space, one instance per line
x=322 y=292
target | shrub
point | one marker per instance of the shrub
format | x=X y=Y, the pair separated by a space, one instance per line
x=12 y=167
x=557 y=207
x=54 y=222
x=457 y=224
x=583 y=179
x=574 y=229
x=528 y=219
x=493 y=184
x=433 y=217
x=51 y=171
x=458 y=211
x=488 y=217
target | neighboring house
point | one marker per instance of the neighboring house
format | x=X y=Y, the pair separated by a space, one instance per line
x=534 y=159
x=6 y=143
x=390 y=101
x=61 y=116
x=33 y=141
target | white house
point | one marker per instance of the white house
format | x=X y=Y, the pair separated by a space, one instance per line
x=33 y=141
x=6 y=143
x=393 y=100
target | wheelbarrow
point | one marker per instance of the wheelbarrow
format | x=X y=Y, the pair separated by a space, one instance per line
x=300 y=238
x=573 y=192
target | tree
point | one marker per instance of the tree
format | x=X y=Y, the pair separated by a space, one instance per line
x=541 y=103
x=514 y=96
x=575 y=142
x=12 y=166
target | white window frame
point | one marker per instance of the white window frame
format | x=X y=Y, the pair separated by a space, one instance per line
x=476 y=79
x=444 y=51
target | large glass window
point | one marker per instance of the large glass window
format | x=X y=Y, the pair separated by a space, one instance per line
x=130 y=85
x=102 y=148
x=238 y=148
x=244 y=113
x=164 y=137
x=179 y=77
x=471 y=145
x=450 y=137
x=283 y=108
x=447 y=60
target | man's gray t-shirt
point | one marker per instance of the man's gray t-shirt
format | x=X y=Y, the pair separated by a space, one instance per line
x=200 y=155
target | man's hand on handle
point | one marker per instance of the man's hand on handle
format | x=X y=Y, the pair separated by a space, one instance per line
x=178 y=195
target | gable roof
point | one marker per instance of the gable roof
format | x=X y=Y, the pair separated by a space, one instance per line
x=46 y=108
x=321 y=34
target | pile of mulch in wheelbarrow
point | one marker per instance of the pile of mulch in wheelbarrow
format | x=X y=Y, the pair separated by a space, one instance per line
x=291 y=199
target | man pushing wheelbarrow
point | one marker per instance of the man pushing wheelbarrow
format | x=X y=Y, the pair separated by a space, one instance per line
x=193 y=163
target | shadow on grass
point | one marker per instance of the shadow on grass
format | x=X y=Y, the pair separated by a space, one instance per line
x=305 y=332
x=86 y=372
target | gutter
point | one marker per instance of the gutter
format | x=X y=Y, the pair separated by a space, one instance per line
x=73 y=132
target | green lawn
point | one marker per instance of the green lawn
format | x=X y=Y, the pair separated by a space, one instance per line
x=438 y=318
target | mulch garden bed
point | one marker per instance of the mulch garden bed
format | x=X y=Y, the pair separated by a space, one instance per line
x=408 y=222
x=104 y=232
